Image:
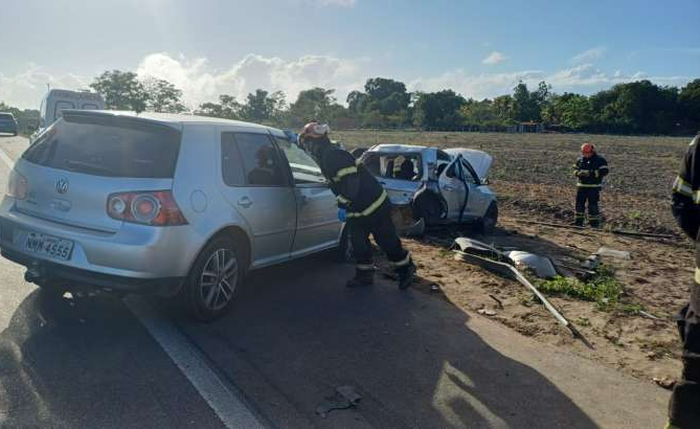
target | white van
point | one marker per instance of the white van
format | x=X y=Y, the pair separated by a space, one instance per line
x=57 y=100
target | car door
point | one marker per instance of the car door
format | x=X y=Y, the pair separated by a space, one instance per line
x=476 y=198
x=318 y=226
x=257 y=188
x=452 y=189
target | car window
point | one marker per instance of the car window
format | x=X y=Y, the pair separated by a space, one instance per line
x=90 y=106
x=304 y=168
x=452 y=171
x=395 y=166
x=62 y=105
x=467 y=173
x=231 y=163
x=259 y=159
x=6 y=117
x=108 y=146
x=443 y=156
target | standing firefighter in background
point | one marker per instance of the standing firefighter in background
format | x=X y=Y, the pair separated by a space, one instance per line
x=590 y=169
x=363 y=203
x=684 y=409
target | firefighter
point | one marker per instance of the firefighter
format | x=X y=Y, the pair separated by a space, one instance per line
x=590 y=169
x=684 y=408
x=363 y=203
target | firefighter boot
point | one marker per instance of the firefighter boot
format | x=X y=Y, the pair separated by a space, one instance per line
x=407 y=274
x=362 y=278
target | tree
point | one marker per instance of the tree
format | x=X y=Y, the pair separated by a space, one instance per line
x=689 y=100
x=316 y=103
x=227 y=108
x=439 y=110
x=480 y=113
x=121 y=90
x=387 y=96
x=262 y=106
x=503 y=107
x=163 y=96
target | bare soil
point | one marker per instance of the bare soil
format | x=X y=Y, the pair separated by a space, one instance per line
x=532 y=177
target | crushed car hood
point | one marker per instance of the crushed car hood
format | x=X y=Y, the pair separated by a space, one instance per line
x=480 y=160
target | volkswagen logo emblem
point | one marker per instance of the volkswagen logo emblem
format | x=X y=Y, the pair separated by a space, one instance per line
x=62 y=186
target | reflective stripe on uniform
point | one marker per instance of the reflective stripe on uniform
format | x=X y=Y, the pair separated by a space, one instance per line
x=371 y=208
x=697 y=275
x=364 y=267
x=344 y=172
x=587 y=185
x=401 y=263
x=603 y=167
x=342 y=200
x=682 y=187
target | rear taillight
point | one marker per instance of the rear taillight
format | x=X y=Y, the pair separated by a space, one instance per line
x=156 y=208
x=17 y=186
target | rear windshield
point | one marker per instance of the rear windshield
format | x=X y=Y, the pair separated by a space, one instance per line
x=399 y=166
x=108 y=146
x=5 y=117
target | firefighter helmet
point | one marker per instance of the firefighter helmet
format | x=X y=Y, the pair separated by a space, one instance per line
x=587 y=148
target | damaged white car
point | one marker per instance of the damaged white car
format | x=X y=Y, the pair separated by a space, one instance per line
x=429 y=186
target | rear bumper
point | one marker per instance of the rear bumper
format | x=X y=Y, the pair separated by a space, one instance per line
x=77 y=278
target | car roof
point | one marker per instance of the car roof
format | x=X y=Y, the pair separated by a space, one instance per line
x=399 y=148
x=172 y=119
x=7 y=113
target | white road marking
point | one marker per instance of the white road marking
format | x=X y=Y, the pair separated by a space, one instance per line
x=7 y=160
x=225 y=402
x=223 y=399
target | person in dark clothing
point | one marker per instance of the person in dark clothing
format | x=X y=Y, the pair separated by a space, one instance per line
x=590 y=169
x=684 y=407
x=363 y=203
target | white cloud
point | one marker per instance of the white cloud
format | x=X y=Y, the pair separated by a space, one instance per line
x=200 y=83
x=589 y=55
x=26 y=89
x=494 y=58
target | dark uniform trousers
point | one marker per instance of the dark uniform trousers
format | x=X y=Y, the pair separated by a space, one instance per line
x=588 y=188
x=590 y=196
x=684 y=407
x=381 y=227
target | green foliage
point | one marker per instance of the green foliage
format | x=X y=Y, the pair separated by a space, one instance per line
x=689 y=100
x=438 y=110
x=604 y=289
x=162 y=96
x=121 y=90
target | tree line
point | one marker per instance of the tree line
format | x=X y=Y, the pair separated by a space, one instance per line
x=640 y=107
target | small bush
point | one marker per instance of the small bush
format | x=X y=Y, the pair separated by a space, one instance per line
x=604 y=289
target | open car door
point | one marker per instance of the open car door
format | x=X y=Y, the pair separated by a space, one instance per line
x=454 y=190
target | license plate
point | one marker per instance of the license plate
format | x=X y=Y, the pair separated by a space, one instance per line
x=47 y=245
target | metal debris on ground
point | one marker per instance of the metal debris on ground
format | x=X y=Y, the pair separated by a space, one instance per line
x=345 y=397
x=500 y=304
x=612 y=253
x=591 y=263
x=490 y=258
x=665 y=382
x=486 y=312
x=434 y=288
x=540 y=265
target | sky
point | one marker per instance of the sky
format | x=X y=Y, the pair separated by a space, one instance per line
x=477 y=48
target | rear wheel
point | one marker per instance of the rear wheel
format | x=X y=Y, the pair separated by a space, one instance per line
x=427 y=206
x=487 y=224
x=214 y=281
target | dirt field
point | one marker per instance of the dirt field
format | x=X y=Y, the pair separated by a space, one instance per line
x=532 y=176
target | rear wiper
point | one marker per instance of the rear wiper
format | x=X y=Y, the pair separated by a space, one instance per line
x=80 y=165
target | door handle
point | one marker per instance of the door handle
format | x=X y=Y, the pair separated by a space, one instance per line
x=245 y=202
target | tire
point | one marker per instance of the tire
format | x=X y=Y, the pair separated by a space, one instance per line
x=214 y=280
x=428 y=207
x=487 y=224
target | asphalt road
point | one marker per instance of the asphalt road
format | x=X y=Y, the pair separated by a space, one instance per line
x=294 y=336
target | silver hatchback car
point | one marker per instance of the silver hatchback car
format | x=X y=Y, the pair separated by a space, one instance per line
x=165 y=204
